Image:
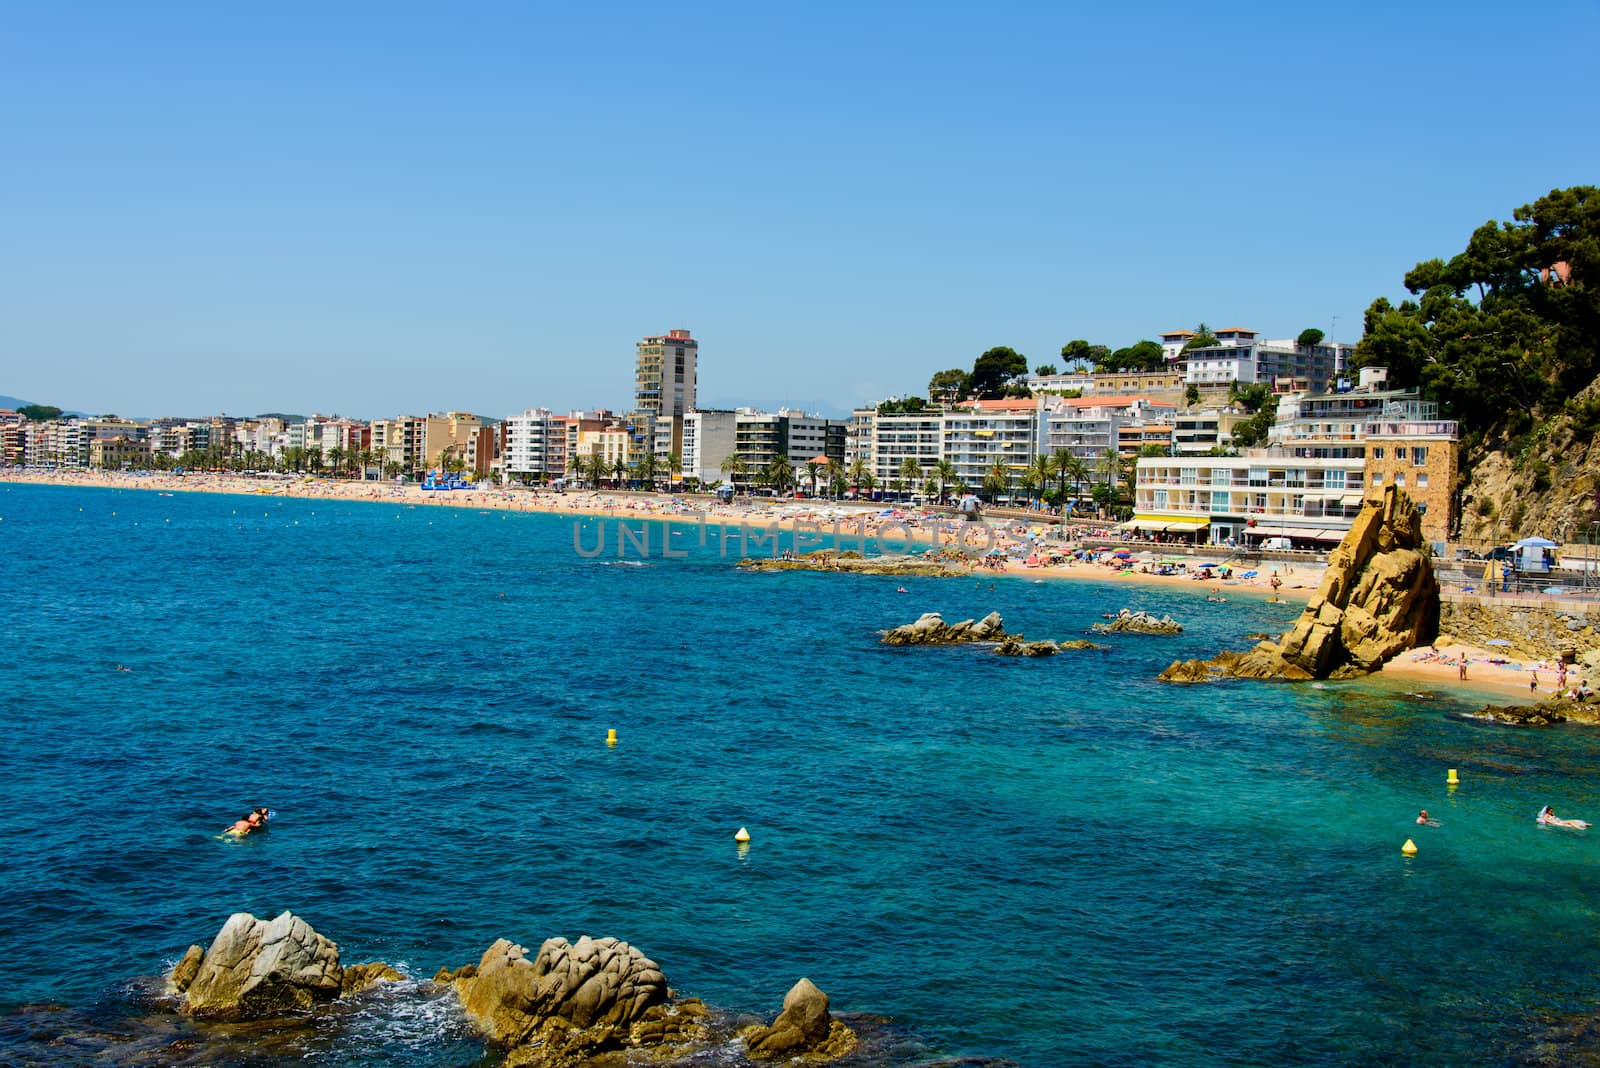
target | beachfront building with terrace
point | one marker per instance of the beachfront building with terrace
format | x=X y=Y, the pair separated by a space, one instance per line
x=1238 y=500
x=1285 y=365
x=1326 y=453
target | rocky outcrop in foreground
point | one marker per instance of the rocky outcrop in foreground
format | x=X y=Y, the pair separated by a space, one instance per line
x=256 y=969
x=573 y=1004
x=573 y=1000
x=802 y=1028
x=1377 y=599
x=1128 y=621
x=931 y=629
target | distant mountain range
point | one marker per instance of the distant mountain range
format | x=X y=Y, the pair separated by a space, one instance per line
x=17 y=402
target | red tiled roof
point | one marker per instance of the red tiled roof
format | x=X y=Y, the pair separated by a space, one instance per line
x=1113 y=402
x=1003 y=404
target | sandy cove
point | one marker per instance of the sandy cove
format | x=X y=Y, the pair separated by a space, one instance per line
x=1421 y=666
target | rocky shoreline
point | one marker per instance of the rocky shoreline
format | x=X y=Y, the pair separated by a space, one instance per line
x=570 y=1005
x=946 y=565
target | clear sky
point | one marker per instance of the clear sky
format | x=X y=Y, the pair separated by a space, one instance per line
x=384 y=207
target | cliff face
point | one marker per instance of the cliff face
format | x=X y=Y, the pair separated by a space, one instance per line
x=1541 y=482
x=1378 y=598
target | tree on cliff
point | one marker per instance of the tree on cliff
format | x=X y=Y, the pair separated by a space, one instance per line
x=1504 y=332
x=39 y=413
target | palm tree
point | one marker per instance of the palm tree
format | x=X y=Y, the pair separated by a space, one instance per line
x=910 y=471
x=859 y=474
x=735 y=468
x=647 y=469
x=997 y=480
x=394 y=469
x=336 y=459
x=1078 y=471
x=675 y=466
x=812 y=469
x=946 y=472
x=1037 y=475
x=620 y=469
x=598 y=468
x=779 y=474
x=1111 y=466
x=1061 y=466
x=835 y=477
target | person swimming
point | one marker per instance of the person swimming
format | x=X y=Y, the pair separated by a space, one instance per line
x=1547 y=818
x=254 y=820
x=1424 y=820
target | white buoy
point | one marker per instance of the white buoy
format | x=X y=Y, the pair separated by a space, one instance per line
x=741 y=835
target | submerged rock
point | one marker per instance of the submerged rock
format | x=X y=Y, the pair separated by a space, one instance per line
x=803 y=1028
x=1017 y=647
x=1378 y=598
x=1130 y=622
x=931 y=629
x=829 y=560
x=1547 y=713
x=256 y=969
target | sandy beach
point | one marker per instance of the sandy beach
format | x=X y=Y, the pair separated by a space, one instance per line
x=1011 y=536
x=1487 y=670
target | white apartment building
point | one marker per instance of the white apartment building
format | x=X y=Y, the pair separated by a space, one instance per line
x=1199 y=431
x=708 y=439
x=1084 y=432
x=884 y=442
x=535 y=445
x=1283 y=364
x=1007 y=433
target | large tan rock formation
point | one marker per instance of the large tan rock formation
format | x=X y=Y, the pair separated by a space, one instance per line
x=1377 y=599
x=258 y=968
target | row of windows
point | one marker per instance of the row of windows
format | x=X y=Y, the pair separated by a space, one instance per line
x=1400 y=480
x=1419 y=456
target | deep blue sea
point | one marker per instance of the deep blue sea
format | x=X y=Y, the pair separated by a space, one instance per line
x=1044 y=862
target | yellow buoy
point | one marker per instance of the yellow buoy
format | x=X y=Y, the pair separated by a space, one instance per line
x=611 y=735
x=741 y=835
x=1410 y=848
x=1450 y=779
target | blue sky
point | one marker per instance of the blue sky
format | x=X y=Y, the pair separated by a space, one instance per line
x=374 y=208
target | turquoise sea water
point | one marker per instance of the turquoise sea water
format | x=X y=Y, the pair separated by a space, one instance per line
x=1044 y=862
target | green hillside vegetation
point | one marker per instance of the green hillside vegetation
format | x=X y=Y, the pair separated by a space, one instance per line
x=1505 y=335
